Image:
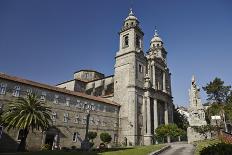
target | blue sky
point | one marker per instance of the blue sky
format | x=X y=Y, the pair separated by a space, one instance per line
x=48 y=40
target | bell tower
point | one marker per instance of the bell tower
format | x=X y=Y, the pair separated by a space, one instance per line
x=130 y=67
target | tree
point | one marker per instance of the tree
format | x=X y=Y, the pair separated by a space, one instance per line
x=105 y=137
x=92 y=136
x=170 y=130
x=204 y=129
x=216 y=91
x=26 y=114
x=180 y=120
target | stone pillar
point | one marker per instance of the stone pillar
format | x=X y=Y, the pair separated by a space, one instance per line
x=166 y=113
x=145 y=114
x=155 y=109
x=153 y=78
x=164 y=81
x=148 y=116
x=148 y=135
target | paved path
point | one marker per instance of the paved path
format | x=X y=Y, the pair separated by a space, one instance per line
x=180 y=149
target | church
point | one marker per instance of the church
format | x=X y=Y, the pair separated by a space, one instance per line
x=129 y=105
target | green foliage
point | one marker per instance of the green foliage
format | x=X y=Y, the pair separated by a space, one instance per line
x=92 y=135
x=171 y=130
x=105 y=137
x=217 y=149
x=180 y=120
x=202 y=144
x=204 y=129
x=26 y=114
x=46 y=147
x=216 y=91
x=214 y=109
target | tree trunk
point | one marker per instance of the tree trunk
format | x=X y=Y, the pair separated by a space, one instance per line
x=22 y=144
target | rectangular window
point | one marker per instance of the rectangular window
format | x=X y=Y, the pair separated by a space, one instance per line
x=20 y=135
x=65 y=117
x=77 y=119
x=125 y=41
x=98 y=121
x=84 y=120
x=91 y=121
x=1 y=131
x=1 y=107
x=75 y=136
x=43 y=97
x=138 y=41
x=56 y=99
x=54 y=116
x=3 y=88
x=103 y=123
x=29 y=91
x=67 y=101
x=16 y=91
x=140 y=68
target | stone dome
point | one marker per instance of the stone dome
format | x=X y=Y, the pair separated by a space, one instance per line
x=131 y=16
x=156 y=38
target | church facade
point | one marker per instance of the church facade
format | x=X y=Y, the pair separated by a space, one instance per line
x=129 y=105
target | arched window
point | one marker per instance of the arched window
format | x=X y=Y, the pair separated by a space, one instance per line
x=126 y=41
x=137 y=41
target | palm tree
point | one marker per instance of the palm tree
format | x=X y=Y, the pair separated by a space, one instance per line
x=26 y=114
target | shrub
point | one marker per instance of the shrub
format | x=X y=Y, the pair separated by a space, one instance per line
x=65 y=149
x=105 y=137
x=217 y=149
x=46 y=147
x=73 y=147
x=92 y=135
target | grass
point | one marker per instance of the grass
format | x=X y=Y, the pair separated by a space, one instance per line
x=204 y=143
x=140 y=150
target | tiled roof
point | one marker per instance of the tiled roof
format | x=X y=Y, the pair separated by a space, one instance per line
x=53 y=88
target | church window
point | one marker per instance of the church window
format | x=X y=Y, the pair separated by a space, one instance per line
x=77 y=119
x=20 y=135
x=43 y=97
x=16 y=91
x=126 y=41
x=1 y=108
x=1 y=130
x=65 y=117
x=84 y=120
x=54 y=116
x=75 y=136
x=67 y=101
x=3 y=88
x=29 y=91
x=91 y=120
x=140 y=68
x=132 y=23
x=56 y=99
x=138 y=41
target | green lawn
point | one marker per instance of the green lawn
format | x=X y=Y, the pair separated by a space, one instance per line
x=204 y=143
x=143 y=150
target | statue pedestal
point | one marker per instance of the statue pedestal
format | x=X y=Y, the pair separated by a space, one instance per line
x=195 y=136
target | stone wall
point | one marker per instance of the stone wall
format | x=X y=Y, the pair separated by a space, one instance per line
x=68 y=116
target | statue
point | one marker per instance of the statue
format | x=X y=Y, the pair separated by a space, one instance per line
x=196 y=110
x=196 y=113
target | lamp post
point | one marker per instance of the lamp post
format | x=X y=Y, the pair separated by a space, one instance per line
x=85 y=145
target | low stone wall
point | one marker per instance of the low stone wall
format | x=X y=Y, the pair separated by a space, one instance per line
x=226 y=137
